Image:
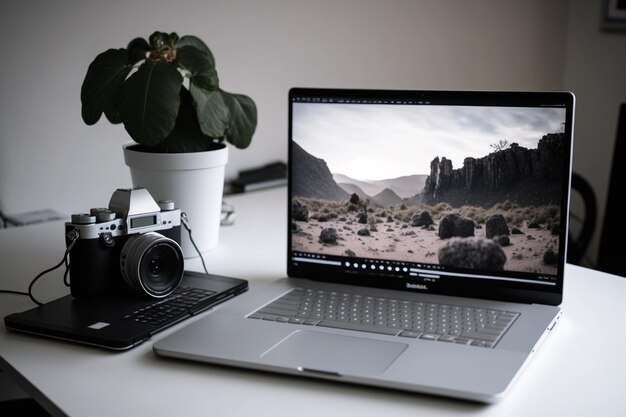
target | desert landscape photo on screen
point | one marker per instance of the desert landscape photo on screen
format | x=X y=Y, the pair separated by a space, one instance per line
x=462 y=187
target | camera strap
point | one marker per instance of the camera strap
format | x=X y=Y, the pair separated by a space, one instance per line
x=72 y=236
x=185 y=222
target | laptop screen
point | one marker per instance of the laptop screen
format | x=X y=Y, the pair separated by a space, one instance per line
x=446 y=192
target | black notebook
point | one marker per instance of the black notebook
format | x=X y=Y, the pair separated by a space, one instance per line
x=270 y=175
x=122 y=322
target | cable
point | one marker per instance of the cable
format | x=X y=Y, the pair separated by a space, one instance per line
x=73 y=236
x=4 y=220
x=185 y=221
x=66 y=281
x=32 y=283
x=13 y=292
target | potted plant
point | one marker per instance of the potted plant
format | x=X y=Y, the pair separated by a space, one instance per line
x=166 y=93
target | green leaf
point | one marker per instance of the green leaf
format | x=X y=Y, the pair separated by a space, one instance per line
x=212 y=112
x=102 y=83
x=203 y=73
x=197 y=43
x=243 y=119
x=186 y=135
x=113 y=116
x=173 y=39
x=160 y=40
x=138 y=48
x=149 y=101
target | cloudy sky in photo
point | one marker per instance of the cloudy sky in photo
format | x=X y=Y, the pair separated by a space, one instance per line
x=381 y=141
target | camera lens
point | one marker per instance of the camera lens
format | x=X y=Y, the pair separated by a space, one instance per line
x=152 y=264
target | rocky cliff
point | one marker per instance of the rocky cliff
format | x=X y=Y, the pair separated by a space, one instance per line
x=526 y=176
x=312 y=178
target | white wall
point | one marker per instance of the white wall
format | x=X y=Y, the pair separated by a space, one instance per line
x=595 y=70
x=50 y=158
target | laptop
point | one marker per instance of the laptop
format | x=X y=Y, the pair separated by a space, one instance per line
x=122 y=322
x=426 y=243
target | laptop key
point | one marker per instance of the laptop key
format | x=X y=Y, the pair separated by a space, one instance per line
x=447 y=338
x=358 y=327
x=277 y=312
x=481 y=336
x=487 y=330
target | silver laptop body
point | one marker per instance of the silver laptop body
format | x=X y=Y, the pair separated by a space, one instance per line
x=426 y=244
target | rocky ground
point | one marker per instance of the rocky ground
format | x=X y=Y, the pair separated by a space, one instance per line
x=397 y=240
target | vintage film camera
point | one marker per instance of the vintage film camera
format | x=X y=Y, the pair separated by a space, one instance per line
x=133 y=246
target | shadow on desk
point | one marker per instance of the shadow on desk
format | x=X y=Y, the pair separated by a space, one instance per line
x=15 y=402
x=22 y=407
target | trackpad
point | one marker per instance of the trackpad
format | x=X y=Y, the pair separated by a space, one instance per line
x=311 y=351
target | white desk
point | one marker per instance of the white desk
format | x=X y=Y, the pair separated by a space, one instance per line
x=580 y=370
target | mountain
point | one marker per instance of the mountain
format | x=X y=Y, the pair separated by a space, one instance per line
x=406 y=186
x=312 y=178
x=386 y=198
x=352 y=189
x=366 y=186
x=521 y=175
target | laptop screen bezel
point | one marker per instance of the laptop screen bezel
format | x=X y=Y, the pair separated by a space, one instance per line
x=488 y=289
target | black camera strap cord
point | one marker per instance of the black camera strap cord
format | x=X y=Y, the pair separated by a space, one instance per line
x=73 y=238
x=185 y=221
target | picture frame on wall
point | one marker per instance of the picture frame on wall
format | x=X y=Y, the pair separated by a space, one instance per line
x=614 y=14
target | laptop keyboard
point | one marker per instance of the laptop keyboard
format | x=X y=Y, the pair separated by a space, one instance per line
x=427 y=321
x=182 y=302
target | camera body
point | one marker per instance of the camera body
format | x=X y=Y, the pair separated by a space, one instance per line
x=132 y=247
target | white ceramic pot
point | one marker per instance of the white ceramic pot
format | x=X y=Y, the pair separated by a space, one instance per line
x=194 y=181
